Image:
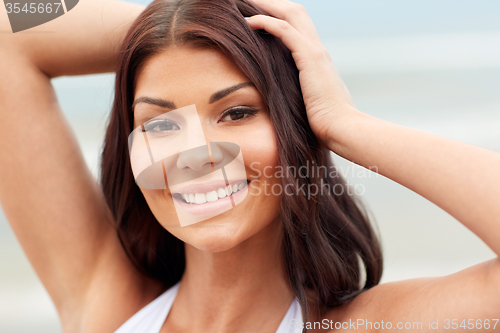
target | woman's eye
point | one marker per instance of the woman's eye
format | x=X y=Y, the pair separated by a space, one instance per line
x=161 y=126
x=237 y=114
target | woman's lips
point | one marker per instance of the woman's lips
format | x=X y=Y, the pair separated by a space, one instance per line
x=205 y=187
x=212 y=195
x=212 y=207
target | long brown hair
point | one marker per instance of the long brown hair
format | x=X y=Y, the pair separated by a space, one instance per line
x=325 y=235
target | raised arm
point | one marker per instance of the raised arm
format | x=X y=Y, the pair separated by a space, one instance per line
x=460 y=178
x=53 y=204
x=85 y=40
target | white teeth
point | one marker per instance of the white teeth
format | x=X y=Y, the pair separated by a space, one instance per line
x=228 y=190
x=201 y=198
x=221 y=193
x=212 y=196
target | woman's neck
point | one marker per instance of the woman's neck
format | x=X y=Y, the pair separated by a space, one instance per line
x=243 y=287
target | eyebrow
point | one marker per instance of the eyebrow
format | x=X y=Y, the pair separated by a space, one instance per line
x=171 y=105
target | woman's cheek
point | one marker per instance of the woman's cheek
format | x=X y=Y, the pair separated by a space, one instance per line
x=259 y=146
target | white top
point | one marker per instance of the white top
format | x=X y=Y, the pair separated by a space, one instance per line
x=150 y=318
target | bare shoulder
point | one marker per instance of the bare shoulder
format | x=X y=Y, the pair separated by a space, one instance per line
x=463 y=301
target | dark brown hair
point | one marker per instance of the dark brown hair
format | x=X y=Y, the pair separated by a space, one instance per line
x=325 y=235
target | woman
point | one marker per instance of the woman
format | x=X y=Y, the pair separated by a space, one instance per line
x=106 y=252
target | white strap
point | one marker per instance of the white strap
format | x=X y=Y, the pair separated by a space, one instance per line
x=150 y=318
x=292 y=321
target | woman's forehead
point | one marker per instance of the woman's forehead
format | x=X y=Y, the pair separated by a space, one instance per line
x=188 y=67
x=183 y=76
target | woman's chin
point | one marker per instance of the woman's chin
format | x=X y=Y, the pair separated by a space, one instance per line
x=214 y=242
x=211 y=237
x=212 y=248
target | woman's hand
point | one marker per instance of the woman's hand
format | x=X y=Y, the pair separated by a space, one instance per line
x=326 y=98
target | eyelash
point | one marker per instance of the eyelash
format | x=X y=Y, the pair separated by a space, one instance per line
x=244 y=110
x=151 y=126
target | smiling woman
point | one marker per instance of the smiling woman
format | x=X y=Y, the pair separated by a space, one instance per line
x=246 y=90
x=182 y=233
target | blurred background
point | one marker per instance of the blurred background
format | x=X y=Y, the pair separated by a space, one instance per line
x=429 y=65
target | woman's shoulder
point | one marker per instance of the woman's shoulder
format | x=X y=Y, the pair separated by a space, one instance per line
x=423 y=303
x=383 y=303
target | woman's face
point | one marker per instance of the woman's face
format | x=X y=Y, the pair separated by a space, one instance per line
x=190 y=77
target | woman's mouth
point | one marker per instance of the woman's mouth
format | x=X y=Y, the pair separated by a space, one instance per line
x=203 y=201
x=211 y=196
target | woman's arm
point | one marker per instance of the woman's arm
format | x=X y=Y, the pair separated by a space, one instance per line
x=86 y=40
x=461 y=179
x=54 y=206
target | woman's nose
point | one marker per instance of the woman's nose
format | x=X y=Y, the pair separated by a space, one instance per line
x=198 y=158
